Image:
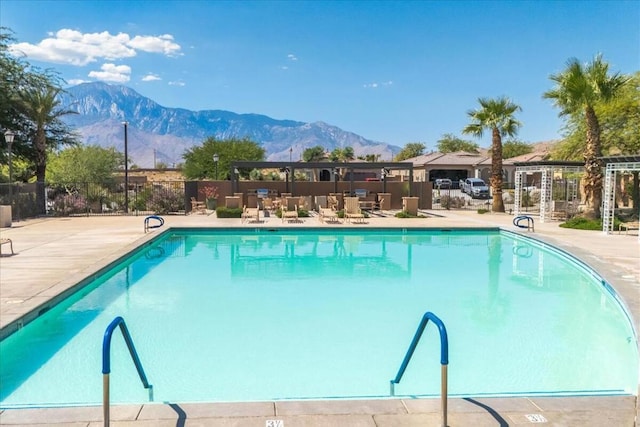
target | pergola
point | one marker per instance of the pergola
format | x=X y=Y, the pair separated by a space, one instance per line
x=613 y=166
x=547 y=169
x=290 y=167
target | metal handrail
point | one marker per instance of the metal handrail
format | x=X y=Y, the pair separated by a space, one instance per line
x=530 y=224
x=444 y=358
x=148 y=226
x=106 y=363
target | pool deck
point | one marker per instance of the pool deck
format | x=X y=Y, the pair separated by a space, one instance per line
x=54 y=254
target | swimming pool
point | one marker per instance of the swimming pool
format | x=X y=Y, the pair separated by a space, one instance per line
x=259 y=315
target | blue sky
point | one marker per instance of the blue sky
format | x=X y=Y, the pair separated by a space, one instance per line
x=394 y=71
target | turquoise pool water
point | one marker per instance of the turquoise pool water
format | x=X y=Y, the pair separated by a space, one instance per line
x=245 y=315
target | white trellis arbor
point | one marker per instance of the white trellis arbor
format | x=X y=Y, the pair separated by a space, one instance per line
x=613 y=166
x=547 y=171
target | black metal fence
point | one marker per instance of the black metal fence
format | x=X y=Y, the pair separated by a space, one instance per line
x=456 y=199
x=94 y=199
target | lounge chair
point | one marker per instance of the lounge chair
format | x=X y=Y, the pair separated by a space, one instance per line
x=250 y=214
x=198 y=207
x=6 y=241
x=288 y=215
x=328 y=215
x=352 y=211
x=332 y=202
x=267 y=204
x=626 y=226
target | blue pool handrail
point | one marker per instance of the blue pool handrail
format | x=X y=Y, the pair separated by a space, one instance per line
x=147 y=226
x=106 y=362
x=529 y=226
x=444 y=358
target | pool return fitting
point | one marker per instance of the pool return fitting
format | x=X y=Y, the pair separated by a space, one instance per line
x=106 y=363
x=444 y=359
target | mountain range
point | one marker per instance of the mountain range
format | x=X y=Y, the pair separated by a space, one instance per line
x=160 y=134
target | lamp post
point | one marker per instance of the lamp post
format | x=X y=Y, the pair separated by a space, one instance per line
x=126 y=170
x=8 y=136
x=384 y=173
x=215 y=162
x=290 y=153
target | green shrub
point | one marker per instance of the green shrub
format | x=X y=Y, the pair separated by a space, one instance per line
x=449 y=202
x=225 y=212
x=405 y=214
x=582 y=223
x=164 y=200
x=483 y=211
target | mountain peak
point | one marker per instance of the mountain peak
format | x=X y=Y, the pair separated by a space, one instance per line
x=163 y=134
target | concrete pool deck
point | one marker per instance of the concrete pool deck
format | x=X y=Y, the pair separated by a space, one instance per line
x=53 y=254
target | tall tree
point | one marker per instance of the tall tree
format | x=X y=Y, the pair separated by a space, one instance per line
x=450 y=144
x=515 y=148
x=313 y=154
x=578 y=89
x=199 y=164
x=410 y=150
x=344 y=155
x=90 y=163
x=496 y=115
x=40 y=106
x=17 y=75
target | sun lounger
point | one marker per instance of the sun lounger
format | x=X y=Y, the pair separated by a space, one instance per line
x=626 y=226
x=288 y=215
x=352 y=211
x=328 y=215
x=250 y=214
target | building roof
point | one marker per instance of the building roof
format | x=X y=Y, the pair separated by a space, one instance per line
x=460 y=158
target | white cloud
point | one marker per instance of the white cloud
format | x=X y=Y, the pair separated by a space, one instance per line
x=151 y=78
x=376 y=85
x=162 y=44
x=73 y=47
x=112 y=73
x=292 y=57
x=177 y=83
x=74 y=82
x=284 y=67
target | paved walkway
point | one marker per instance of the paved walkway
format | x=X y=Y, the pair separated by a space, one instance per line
x=54 y=254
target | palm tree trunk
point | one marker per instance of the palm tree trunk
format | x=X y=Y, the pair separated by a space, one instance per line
x=41 y=167
x=496 y=170
x=592 y=166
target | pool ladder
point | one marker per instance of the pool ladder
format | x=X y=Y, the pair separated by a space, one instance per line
x=106 y=363
x=444 y=359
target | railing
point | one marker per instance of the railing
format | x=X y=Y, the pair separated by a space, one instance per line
x=529 y=226
x=444 y=358
x=106 y=363
x=148 y=226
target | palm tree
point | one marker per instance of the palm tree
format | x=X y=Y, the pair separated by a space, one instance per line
x=312 y=155
x=40 y=106
x=578 y=89
x=495 y=115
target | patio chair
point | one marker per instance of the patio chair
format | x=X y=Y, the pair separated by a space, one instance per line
x=198 y=207
x=289 y=214
x=250 y=214
x=352 y=211
x=6 y=241
x=626 y=226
